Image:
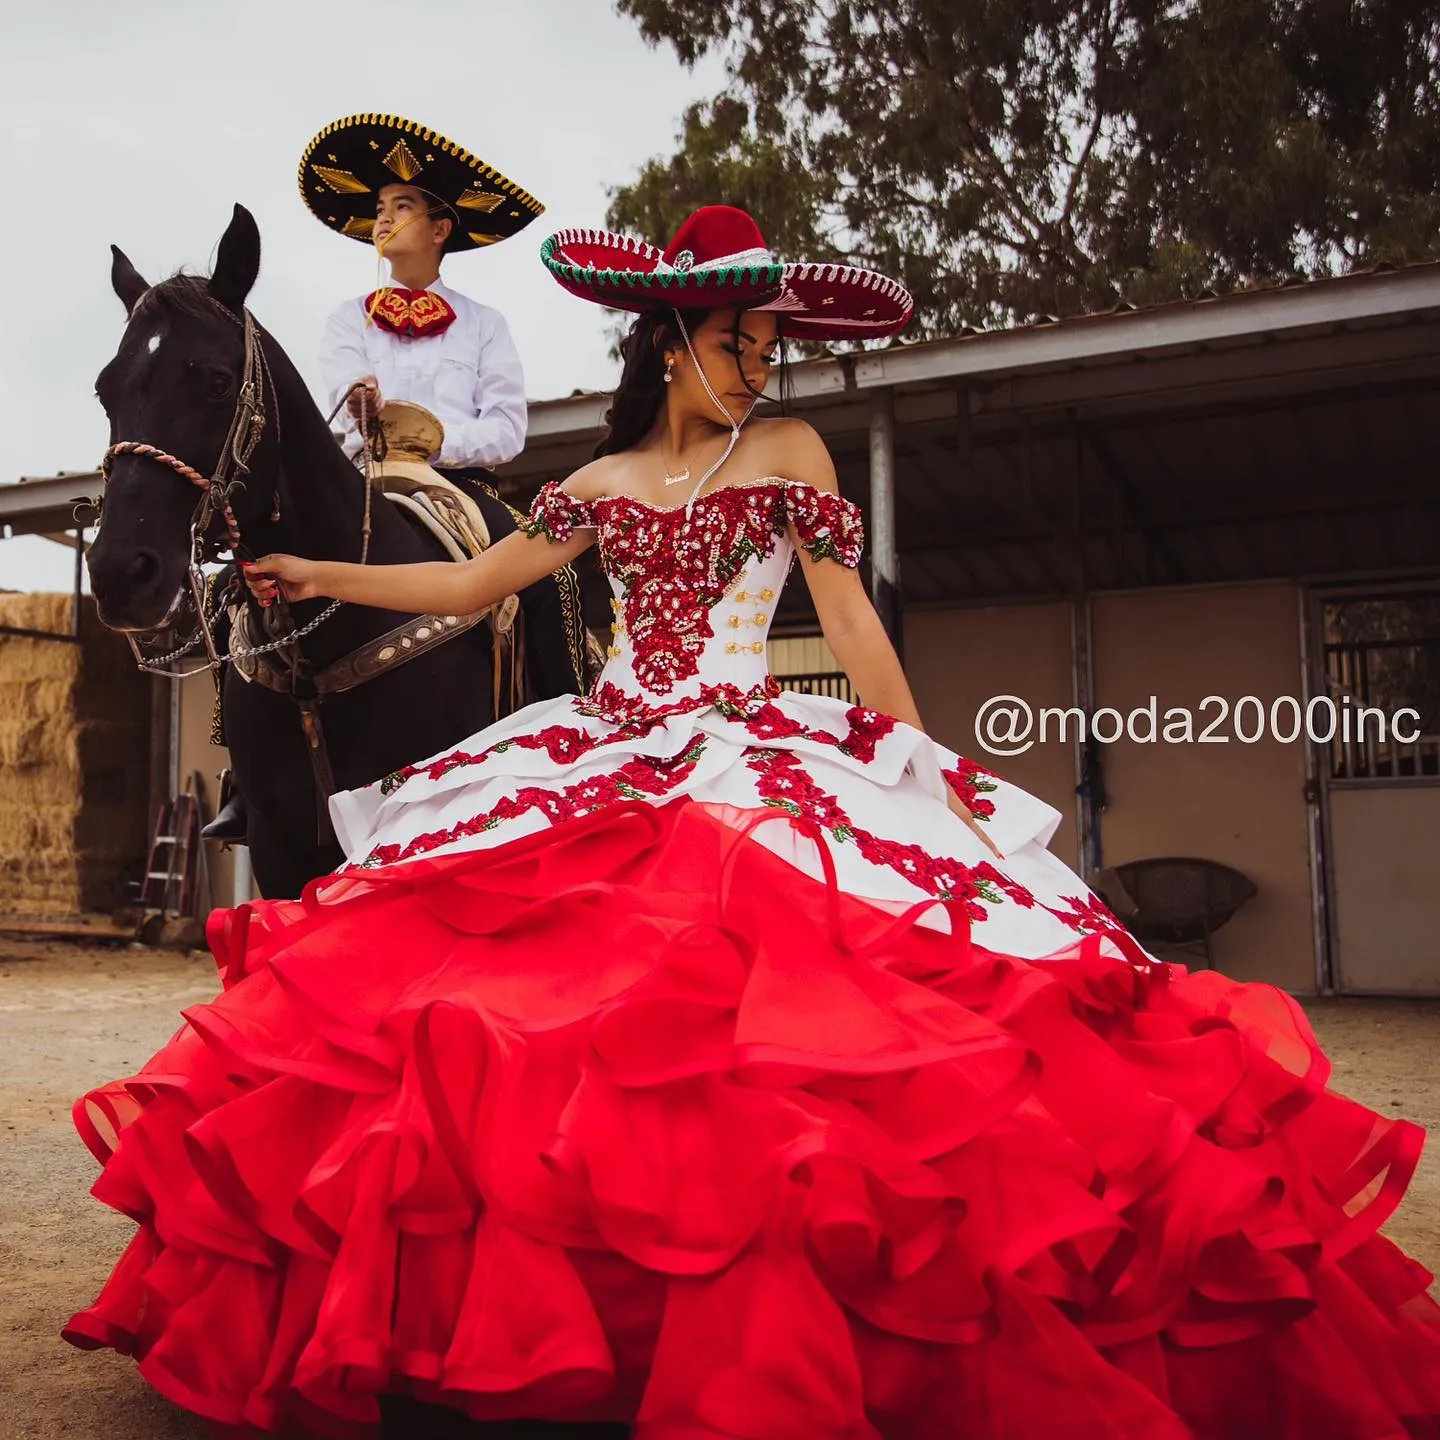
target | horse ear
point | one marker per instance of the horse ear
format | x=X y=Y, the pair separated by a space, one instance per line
x=238 y=261
x=127 y=281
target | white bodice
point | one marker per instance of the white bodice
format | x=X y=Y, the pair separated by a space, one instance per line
x=694 y=591
x=733 y=653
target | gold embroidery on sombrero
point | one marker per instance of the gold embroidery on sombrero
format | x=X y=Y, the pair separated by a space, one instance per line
x=402 y=161
x=351 y=160
x=486 y=200
x=342 y=182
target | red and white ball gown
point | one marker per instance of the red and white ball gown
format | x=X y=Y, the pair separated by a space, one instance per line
x=676 y=1055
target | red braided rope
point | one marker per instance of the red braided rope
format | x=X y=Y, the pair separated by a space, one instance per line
x=152 y=452
x=163 y=457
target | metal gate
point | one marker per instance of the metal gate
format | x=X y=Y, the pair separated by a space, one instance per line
x=1374 y=718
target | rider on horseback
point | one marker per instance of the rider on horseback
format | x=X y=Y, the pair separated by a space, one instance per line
x=418 y=197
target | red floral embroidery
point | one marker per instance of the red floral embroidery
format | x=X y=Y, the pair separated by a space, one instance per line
x=866 y=729
x=1087 y=914
x=829 y=526
x=783 y=783
x=563 y=743
x=557 y=515
x=971 y=782
x=754 y=708
x=634 y=716
x=675 y=568
x=769 y=722
x=641 y=777
x=1010 y=889
x=607 y=701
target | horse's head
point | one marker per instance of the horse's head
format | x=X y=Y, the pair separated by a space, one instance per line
x=173 y=385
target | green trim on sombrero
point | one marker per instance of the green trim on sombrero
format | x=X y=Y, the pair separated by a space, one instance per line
x=345 y=166
x=647 y=284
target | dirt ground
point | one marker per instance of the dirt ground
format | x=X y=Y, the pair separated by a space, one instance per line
x=71 y=1017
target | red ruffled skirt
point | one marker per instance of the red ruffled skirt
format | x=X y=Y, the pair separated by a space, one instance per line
x=631 y=1120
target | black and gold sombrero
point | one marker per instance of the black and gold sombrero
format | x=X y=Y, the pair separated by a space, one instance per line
x=347 y=164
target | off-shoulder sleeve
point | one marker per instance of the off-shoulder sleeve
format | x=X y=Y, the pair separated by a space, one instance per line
x=828 y=525
x=557 y=515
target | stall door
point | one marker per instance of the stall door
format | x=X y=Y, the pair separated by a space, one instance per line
x=1382 y=782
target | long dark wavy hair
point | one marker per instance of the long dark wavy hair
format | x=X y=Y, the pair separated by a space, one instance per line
x=641 y=391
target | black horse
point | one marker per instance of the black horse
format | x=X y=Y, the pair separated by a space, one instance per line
x=175 y=386
x=172 y=393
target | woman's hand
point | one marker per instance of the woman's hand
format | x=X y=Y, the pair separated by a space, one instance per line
x=960 y=808
x=286 y=576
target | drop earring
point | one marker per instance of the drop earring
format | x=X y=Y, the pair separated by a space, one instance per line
x=669 y=369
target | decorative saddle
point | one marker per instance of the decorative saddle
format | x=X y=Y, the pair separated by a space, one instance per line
x=404 y=438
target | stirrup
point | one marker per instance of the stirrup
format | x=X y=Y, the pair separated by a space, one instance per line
x=232 y=822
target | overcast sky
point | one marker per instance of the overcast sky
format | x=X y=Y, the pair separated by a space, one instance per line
x=142 y=124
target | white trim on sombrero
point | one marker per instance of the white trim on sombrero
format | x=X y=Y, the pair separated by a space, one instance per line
x=847 y=275
x=837 y=323
x=812 y=296
x=632 y=288
x=759 y=255
x=624 y=243
x=891 y=294
x=786 y=300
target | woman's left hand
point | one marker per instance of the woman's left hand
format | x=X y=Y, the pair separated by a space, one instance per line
x=960 y=808
x=273 y=577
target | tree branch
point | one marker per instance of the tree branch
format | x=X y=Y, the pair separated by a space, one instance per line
x=1104 y=45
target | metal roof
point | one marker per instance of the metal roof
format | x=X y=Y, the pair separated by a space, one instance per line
x=1124 y=335
x=1289 y=431
x=1275 y=433
x=40 y=505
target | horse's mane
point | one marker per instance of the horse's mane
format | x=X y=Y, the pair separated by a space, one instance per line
x=182 y=292
x=189 y=295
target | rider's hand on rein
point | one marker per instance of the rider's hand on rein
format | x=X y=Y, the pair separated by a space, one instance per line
x=364 y=398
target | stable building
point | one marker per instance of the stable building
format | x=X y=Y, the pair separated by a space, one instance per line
x=1230 y=505
x=1226 y=506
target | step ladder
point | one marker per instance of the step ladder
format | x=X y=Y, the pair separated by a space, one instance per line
x=168 y=888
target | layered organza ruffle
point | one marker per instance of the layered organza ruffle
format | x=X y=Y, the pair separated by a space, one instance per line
x=631 y=1119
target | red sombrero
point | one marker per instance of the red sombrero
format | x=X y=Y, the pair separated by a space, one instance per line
x=719 y=257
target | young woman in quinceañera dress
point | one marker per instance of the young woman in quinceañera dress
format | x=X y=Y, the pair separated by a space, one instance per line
x=730 y=1063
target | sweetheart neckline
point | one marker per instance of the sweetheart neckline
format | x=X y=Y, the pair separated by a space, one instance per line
x=764 y=482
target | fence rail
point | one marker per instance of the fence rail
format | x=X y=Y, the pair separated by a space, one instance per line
x=834 y=683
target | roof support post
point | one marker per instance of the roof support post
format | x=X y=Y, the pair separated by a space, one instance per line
x=77 y=597
x=884 y=554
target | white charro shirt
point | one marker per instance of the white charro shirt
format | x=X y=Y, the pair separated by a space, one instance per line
x=469 y=377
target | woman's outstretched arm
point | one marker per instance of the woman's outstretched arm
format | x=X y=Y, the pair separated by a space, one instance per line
x=435 y=587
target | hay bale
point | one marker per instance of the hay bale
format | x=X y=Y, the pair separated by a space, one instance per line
x=74 y=719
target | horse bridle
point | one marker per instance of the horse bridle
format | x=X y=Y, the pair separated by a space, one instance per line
x=247 y=425
x=232 y=469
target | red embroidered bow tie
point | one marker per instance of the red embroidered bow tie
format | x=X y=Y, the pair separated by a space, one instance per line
x=417 y=313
